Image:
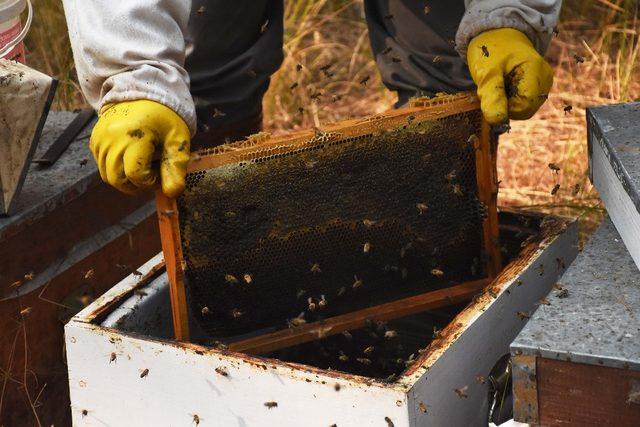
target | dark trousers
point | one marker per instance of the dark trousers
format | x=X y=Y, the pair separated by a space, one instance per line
x=233 y=55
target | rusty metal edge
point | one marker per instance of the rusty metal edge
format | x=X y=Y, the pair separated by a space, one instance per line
x=525 y=388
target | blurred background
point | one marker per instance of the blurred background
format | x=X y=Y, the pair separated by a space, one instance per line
x=602 y=32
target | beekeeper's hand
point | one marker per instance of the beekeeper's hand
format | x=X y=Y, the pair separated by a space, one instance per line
x=125 y=139
x=513 y=79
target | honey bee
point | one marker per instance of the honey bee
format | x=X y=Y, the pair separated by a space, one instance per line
x=545 y=301
x=411 y=118
x=556 y=32
x=16 y=284
x=196 y=419
x=248 y=279
x=389 y=422
x=298 y=67
x=221 y=370
x=218 y=113
x=576 y=190
x=422 y=407
x=461 y=392
x=480 y=379
x=84 y=413
x=297 y=321
x=390 y=334
x=300 y=110
x=562 y=293
x=347 y=335
x=485 y=51
x=315 y=95
x=579 y=59
x=554 y=167
x=264 y=26
x=144 y=373
x=271 y=405
x=396 y=59
x=555 y=189
x=293 y=86
x=368 y=350
x=437 y=272
x=311 y=304
x=523 y=315
x=201 y=10
x=205 y=311
x=315 y=268
x=366 y=247
x=230 y=279
x=236 y=313
x=29 y=276
x=369 y=223
x=422 y=208
x=323 y=302
x=567 y=109
x=457 y=190
x=336 y=387
x=427 y=9
x=364 y=360
x=220 y=345
x=89 y=274
x=387 y=50
x=436 y=59
x=341 y=291
x=451 y=175
x=364 y=80
x=25 y=311
x=358 y=282
x=112 y=358
x=336 y=98
x=343 y=357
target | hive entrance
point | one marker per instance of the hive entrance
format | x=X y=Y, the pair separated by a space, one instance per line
x=277 y=234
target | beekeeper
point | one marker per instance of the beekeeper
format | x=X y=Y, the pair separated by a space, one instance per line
x=161 y=72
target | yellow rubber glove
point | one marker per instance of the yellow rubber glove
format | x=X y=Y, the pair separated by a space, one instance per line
x=130 y=135
x=513 y=79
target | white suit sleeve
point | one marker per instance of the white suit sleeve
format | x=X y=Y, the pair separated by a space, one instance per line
x=132 y=49
x=535 y=18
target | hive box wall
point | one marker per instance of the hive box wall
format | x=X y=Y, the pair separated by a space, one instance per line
x=182 y=381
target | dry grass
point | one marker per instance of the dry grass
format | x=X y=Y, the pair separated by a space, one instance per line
x=322 y=32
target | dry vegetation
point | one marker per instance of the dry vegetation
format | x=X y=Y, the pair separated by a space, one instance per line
x=321 y=32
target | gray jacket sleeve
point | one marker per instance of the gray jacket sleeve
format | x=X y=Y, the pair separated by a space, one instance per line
x=132 y=49
x=535 y=18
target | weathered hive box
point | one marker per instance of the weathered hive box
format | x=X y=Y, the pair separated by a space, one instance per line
x=577 y=361
x=125 y=369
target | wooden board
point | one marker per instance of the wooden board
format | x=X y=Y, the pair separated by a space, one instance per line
x=587 y=395
x=357 y=319
x=172 y=250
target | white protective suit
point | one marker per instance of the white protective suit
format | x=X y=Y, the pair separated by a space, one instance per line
x=137 y=49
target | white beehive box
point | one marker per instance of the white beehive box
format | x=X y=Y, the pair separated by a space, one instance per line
x=125 y=370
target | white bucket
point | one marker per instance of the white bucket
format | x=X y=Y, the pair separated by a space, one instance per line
x=12 y=33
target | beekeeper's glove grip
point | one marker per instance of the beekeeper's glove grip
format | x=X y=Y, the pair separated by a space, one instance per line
x=128 y=139
x=513 y=79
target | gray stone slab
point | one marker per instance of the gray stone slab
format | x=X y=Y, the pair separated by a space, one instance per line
x=598 y=322
x=46 y=188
